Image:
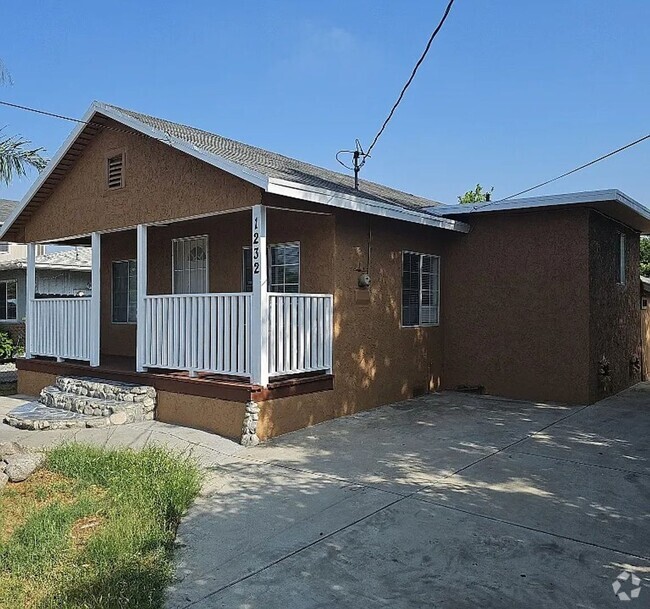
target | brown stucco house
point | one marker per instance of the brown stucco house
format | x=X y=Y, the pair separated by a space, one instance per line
x=259 y=294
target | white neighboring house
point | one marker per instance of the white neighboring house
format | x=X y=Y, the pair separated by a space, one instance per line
x=59 y=272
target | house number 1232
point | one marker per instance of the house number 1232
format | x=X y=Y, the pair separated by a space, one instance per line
x=256 y=248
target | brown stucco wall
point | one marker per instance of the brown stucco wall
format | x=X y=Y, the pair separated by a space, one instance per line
x=228 y=234
x=161 y=183
x=31 y=383
x=115 y=338
x=516 y=306
x=210 y=414
x=615 y=316
x=376 y=360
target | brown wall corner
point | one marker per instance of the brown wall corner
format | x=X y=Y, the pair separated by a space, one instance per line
x=31 y=383
x=209 y=414
x=615 y=313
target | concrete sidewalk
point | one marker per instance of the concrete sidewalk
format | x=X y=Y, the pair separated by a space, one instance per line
x=448 y=500
x=208 y=449
x=444 y=501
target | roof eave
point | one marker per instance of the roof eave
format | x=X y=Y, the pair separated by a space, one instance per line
x=313 y=194
x=638 y=219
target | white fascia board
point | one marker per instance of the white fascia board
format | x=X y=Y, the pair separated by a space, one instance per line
x=574 y=198
x=215 y=160
x=99 y=108
x=332 y=198
x=45 y=174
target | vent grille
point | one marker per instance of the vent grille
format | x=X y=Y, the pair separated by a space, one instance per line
x=116 y=171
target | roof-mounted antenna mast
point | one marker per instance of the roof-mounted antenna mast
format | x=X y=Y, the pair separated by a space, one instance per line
x=358 y=161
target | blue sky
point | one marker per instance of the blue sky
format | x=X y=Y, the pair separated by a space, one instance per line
x=511 y=93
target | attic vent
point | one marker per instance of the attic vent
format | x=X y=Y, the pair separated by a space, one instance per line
x=116 y=171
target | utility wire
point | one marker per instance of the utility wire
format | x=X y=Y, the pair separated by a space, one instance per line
x=411 y=77
x=568 y=173
x=76 y=120
x=378 y=202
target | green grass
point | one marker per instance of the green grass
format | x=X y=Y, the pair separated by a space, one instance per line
x=94 y=529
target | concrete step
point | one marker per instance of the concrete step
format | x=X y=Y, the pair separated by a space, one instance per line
x=36 y=416
x=85 y=402
x=107 y=390
x=118 y=411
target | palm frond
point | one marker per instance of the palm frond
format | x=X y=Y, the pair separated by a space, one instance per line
x=16 y=157
x=5 y=76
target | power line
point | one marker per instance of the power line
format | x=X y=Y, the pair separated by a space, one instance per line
x=379 y=202
x=411 y=77
x=76 y=120
x=358 y=154
x=568 y=173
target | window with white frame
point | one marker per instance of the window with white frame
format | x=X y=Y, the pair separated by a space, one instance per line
x=190 y=265
x=420 y=289
x=621 y=258
x=125 y=292
x=4 y=246
x=8 y=300
x=283 y=268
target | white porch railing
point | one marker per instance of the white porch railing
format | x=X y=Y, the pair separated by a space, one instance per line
x=300 y=333
x=60 y=327
x=211 y=333
x=198 y=332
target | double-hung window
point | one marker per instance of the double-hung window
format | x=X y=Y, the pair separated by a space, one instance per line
x=190 y=264
x=420 y=289
x=8 y=300
x=283 y=268
x=125 y=292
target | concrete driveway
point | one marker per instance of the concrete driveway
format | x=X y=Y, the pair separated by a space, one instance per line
x=448 y=500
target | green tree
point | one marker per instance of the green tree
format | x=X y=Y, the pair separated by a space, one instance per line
x=644 y=262
x=478 y=195
x=16 y=155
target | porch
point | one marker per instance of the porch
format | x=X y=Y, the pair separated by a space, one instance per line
x=160 y=319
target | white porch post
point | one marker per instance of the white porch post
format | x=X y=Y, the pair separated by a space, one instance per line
x=30 y=294
x=141 y=266
x=260 y=302
x=95 y=299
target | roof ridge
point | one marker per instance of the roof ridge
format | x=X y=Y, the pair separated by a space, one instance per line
x=426 y=202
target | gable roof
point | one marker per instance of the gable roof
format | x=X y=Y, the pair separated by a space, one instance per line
x=272 y=172
x=278 y=166
x=7 y=207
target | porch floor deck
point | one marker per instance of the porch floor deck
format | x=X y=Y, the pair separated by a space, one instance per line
x=229 y=388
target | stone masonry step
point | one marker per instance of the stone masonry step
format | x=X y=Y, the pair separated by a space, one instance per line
x=35 y=416
x=106 y=390
x=53 y=397
x=85 y=402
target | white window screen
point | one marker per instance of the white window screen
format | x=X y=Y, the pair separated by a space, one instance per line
x=420 y=289
x=190 y=265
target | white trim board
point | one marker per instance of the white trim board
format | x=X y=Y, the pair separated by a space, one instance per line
x=290 y=189
x=572 y=198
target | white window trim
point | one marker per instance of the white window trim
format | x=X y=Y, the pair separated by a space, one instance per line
x=268 y=265
x=207 y=260
x=121 y=323
x=622 y=259
x=15 y=300
x=401 y=270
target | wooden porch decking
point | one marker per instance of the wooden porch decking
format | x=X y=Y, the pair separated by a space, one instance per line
x=222 y=387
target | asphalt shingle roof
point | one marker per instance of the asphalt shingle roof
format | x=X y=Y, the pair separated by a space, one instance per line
x=279 y=166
